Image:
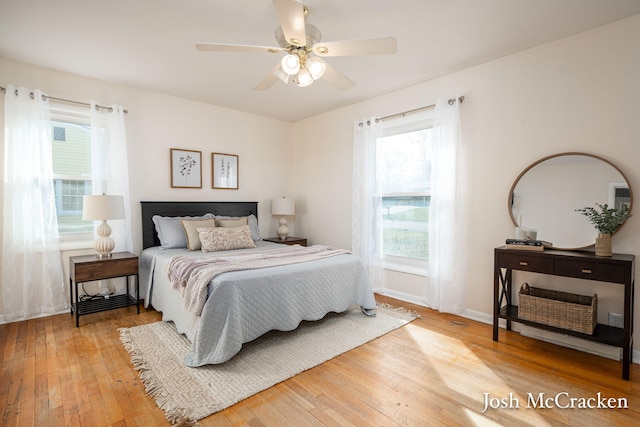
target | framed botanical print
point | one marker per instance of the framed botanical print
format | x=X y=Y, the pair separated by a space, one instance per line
x=186 y=168
x=225 y=171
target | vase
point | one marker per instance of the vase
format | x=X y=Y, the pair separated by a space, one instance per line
x=603 y=244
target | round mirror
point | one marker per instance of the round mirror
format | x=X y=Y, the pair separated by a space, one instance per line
x=547 y=193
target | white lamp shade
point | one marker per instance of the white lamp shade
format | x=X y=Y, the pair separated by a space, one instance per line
x=304 y=78
x=283 y=206
x=102 y=207
x=290 y=64
x=316 y=67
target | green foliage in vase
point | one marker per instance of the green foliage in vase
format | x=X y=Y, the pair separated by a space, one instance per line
x=606 y=220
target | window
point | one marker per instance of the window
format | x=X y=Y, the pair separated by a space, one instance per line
x=71 y=156
x=403 y=172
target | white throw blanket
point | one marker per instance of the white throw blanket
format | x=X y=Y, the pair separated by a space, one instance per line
x=193 y=275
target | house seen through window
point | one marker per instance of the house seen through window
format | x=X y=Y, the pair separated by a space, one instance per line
x=71 y=152
x=403 y=174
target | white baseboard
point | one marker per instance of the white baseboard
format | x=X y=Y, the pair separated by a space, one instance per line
x=569 y=341
x=400 y=296
x=3 y=321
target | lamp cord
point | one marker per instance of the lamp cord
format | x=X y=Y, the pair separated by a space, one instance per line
x=89 y=297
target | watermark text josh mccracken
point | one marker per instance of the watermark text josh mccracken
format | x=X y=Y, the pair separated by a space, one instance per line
x=560 y=400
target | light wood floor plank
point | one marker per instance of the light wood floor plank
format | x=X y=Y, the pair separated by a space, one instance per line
x=433 y=371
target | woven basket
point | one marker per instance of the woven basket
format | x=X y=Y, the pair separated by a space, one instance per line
x=559 y=309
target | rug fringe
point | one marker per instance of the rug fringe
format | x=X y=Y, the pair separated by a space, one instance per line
x=178 y=417
x=414 y=314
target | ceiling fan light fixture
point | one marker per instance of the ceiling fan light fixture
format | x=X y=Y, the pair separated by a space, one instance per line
x=316 y=67
x=303 y=79
x=291 y=64
x=300 y=43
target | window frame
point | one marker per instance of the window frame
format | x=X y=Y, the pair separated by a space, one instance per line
x=405 y=124
x=81 y=117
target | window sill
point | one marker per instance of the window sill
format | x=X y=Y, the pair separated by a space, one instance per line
x=75 y=245
x=404 y=268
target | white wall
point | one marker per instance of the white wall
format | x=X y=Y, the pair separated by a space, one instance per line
x=576 y=94
x=155 y=123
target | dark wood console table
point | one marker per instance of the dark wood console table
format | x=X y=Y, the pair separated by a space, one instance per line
x=619 y=268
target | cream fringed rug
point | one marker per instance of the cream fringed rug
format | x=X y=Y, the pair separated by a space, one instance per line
x=185 y=393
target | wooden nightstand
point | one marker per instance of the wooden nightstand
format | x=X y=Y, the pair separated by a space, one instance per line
x=290 y=240
x=87 y=268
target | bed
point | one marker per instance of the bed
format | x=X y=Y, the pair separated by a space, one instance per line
x=242 y=305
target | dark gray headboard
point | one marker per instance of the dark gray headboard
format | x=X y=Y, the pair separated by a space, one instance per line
x=149 y=209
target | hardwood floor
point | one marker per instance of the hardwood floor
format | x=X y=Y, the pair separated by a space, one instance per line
x=434 y=371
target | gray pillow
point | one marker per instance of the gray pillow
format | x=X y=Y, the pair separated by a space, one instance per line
x=170 y=230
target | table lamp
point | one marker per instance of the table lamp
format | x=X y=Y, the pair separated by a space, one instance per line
x=283 y=206
x=103 y=208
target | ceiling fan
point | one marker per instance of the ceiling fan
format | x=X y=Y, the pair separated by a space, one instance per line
x=303 y=63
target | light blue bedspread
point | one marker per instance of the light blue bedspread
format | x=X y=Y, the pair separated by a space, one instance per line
x=242 y=305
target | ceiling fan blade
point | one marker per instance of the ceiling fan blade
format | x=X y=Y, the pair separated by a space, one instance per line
x=276 y=73
x=337 y=79
x=291 y=16
x=266 y=83
x=374 y=46
x=220 y=47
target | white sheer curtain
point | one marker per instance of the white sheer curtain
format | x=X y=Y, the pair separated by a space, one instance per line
x=366 y=206
x=32 y=274
x=445 y=284
x=110 y=170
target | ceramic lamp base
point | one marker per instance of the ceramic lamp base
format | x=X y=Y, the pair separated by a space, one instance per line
x=283 y=230
x=104 y=244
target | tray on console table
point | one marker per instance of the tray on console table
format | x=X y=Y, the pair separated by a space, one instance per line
x=617 y=269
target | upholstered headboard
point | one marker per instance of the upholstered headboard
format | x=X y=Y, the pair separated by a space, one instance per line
x=149 y=209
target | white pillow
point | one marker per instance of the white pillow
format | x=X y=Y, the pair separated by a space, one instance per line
x=170 y=231
x=224 y=239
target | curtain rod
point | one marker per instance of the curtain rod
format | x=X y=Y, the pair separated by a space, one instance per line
x=110 y=109
x=415 y=110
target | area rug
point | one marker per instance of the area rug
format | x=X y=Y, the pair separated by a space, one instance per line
x=188 y=394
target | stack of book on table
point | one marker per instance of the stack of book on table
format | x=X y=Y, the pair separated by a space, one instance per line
x=527 y=245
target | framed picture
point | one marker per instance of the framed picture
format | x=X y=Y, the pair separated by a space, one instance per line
x=186 y=168
x=225 y=171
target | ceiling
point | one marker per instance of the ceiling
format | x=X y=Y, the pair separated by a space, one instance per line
x=149 y=44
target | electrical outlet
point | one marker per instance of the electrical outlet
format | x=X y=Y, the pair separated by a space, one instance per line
x=616 y=320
